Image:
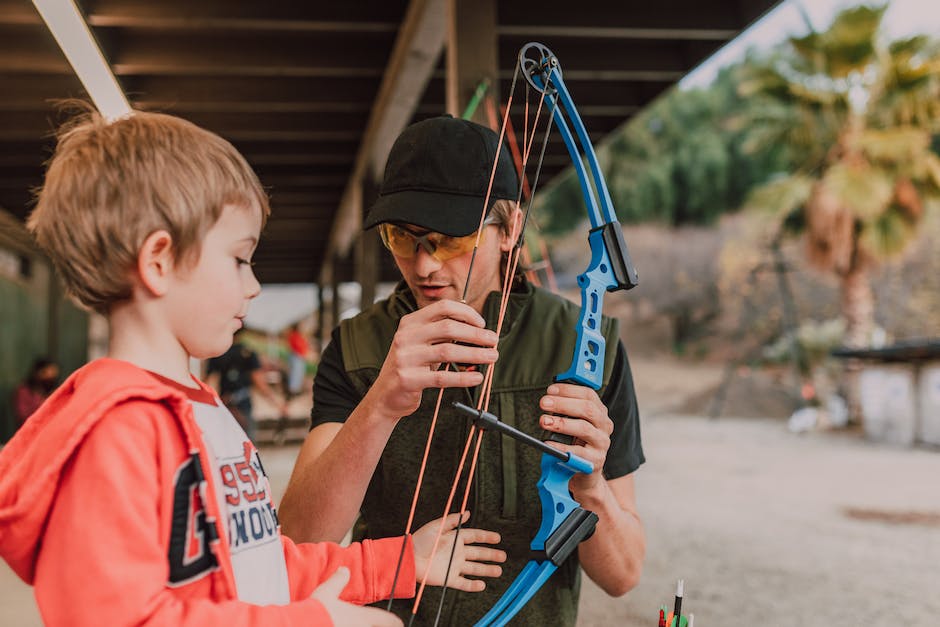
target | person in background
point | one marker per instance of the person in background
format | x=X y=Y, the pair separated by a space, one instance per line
x=297 y=358
x=42 y=379
x=234 y=374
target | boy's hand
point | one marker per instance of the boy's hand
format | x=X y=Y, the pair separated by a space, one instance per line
x=469 y=559
x=344 y=613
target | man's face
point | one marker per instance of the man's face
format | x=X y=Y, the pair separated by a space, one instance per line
x=432 y=279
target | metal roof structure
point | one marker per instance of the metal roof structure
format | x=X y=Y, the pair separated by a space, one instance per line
x=314 y=93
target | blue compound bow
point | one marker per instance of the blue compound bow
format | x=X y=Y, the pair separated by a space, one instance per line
x=565 y=524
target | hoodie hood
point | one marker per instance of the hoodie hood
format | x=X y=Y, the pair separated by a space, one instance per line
x=31 y=464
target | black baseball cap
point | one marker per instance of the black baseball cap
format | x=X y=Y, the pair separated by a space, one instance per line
x=437 y=175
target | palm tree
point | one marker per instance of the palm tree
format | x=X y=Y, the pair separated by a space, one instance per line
x=858 y=115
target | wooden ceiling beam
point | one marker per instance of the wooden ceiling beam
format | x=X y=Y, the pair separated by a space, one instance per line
x=260 y=160
x=616 y=55
x=176 y=24
x=19 y=13
x=25 y=91
x=224 y=123
x=182 y=89
x=543 y=32
x=267 y=107
x=231 y=53
x=635 y=14
x=31 y=49
x=278 y=11
x=252 y=135
x=159 y=68
x=651 y=76
x=302 y=211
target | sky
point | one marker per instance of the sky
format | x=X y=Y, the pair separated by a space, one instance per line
x=903 y=18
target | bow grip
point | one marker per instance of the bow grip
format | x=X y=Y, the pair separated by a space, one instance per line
x=587 y=363
x=557 y=503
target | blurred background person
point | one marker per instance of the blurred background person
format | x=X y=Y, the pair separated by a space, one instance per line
x=298 y=356
x=42 y=379
x=234 y=374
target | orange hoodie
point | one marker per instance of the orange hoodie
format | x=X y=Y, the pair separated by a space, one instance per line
x=86 y=511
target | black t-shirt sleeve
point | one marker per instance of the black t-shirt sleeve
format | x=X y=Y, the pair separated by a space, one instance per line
x=626 y=450
x=334 y=396
x=252 y=362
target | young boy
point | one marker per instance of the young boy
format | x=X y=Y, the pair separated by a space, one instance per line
x=132 y=496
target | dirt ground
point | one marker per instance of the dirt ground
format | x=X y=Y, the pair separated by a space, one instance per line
x=766 y=527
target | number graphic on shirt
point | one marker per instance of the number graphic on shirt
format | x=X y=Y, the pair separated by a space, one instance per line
x=190 y=533
x=231 y=484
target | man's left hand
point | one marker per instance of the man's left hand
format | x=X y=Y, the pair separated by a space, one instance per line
x=578 y=411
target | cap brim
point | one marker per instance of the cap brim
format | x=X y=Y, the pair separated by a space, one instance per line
x=451 y=214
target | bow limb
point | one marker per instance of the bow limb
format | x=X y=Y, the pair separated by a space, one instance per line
x=610 y=268
x=565 y=524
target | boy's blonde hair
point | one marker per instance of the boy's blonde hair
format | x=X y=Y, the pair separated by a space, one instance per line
x=109 y=185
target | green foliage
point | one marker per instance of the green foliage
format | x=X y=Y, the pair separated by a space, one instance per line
x=866 y=189
x=679 y=162
x=858 y=115
x=815 y=339
x=784 y=195
x=842 y=49
x=784 y=118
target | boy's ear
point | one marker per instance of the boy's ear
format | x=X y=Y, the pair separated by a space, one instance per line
x=155 y=262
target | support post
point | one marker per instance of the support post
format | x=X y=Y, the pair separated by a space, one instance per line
x=472 y=54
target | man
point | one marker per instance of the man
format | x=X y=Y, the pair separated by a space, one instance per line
x=371 y=417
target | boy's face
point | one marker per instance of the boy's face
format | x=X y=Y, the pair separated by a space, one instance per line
x=208 y=300
x=431 y=280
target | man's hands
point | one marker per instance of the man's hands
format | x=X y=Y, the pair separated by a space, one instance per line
x=424 y=340
x=584 y=417
x=344 y=613
x=469 y=558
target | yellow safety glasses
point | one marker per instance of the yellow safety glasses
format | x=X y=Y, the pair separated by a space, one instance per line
x=403 y=242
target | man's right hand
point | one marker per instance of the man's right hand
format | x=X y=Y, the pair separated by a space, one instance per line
x=344 y=613
x=443 y=332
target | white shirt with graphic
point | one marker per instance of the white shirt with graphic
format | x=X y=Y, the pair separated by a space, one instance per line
x=244 y=495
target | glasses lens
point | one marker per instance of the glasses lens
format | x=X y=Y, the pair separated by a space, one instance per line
x=404 y=243
x=398 y=240
x=447 y=247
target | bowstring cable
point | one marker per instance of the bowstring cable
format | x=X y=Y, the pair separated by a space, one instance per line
x=463 y=299
x=414 y=502
x=484 y=398
x=488 y=376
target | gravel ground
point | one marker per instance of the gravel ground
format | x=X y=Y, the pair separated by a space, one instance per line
x=753 y=518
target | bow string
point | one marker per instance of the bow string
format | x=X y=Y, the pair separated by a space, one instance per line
x=565 y=524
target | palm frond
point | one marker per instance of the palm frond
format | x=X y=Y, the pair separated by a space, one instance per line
x=894 y=145
x=859 y=187
x=782 y=195
x=847 y=46
x=887 y=234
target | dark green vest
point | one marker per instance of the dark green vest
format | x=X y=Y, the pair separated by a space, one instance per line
x=537 y=343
